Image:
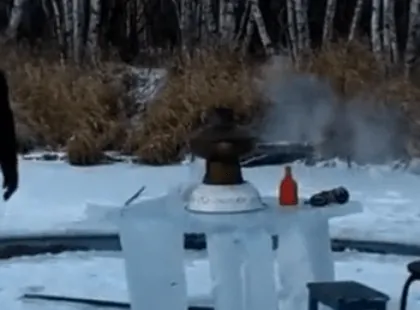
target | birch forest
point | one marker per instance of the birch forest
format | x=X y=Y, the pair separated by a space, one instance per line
x=82 y=30
x=112 y=41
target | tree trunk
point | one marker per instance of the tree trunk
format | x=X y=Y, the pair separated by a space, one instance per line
x=306 y=38
x=243 y=23
x=390 y=40
x=259 y=22
x=249 y=27
x=127 y=22
x=47 y=8
x=227 y=21
x=192 y=22
x=15 y=18
x=198 y=22
x=329 y=21
x=77 y=31
x=291 y=27
x=68 y=26
x=376 y=29
x=209 y=22
x=184 y=25
x=386 y=17
x=393 y=33
x=413 y=35
x=356 y=19
x=58 y=29
x=93 y=32
x=302 y=24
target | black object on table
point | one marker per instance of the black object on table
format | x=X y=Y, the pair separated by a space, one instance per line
x=338 y=195
x=414 y=270
x=346 y=295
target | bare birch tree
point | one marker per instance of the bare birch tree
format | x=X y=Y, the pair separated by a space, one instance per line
x=304 y=12
x=389 y=35
x=77 y=30
x=302 y=24
x=249 y=26
x=227 y=21
x=15 y=18
x=412 y=38
x=376 y=29
x=260 y=25
x=393 y=32
x=58 y=28
x=184 y=13
x=291 y=27
x=355 y=20
x=198 y=31
x=208 y=21
x=126 y=20
x=93 y=30
x=386 y=18
x=68 y=26
x=243 y=23
x=329 y=20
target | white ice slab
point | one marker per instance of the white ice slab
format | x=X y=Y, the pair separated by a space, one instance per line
x=53 y=196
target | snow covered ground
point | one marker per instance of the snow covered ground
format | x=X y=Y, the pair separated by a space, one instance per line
x=53 y=195
x=101 y=276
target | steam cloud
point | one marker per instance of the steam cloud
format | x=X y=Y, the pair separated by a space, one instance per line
x=306 y=109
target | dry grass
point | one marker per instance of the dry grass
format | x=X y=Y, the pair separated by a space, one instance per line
x=351 y=68
x=83 y=149
x=216 y=79
x=62 y=106
x=59 y=104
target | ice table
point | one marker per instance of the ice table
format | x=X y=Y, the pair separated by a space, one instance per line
x=243 y=266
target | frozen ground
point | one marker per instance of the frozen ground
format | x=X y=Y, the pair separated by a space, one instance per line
x=53 y=195
x=91 y=276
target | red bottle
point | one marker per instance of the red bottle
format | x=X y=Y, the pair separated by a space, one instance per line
x=288 y=191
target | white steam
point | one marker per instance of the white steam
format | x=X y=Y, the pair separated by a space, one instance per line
x=306 y=109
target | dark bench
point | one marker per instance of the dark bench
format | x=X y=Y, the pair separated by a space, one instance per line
x=346 y=295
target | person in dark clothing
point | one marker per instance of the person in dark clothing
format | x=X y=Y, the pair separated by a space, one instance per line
x=8 y=144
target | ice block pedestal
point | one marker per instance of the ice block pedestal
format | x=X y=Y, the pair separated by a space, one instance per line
x=238 y=224
x=244 y=267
